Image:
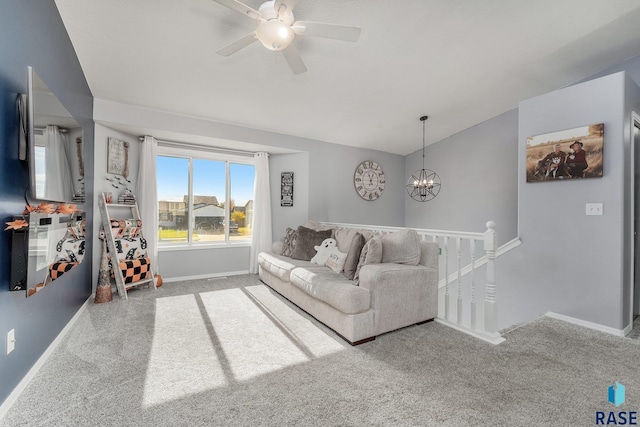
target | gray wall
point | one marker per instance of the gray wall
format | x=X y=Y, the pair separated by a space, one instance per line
x=102 y=135
x=478 y=170
x=289 y=216
x=32 y=33
x=571 y=263
x=323 y=177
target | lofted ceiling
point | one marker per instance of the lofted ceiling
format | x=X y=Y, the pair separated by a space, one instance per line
x=459 y=61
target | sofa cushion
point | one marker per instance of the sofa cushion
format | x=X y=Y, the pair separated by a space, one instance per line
x=289 y=242
x=353 y=256
x=371 y=254
x=401 y=247
x=333 y=289
x=279 y=266
x=307 y=239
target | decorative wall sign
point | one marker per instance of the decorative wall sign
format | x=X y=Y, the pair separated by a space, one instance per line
x=118 y=157
x=568 y=154
x=286 y=189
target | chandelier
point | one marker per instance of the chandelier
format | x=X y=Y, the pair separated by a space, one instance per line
x=423 y=185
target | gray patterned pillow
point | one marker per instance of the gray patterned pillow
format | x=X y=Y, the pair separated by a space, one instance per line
x=289 y=242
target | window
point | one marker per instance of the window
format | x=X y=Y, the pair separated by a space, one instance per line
x=203 y=198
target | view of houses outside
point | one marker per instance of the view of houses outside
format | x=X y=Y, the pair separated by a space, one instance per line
x=208 y=210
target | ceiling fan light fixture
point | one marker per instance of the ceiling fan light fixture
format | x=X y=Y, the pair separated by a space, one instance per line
x=275 y=34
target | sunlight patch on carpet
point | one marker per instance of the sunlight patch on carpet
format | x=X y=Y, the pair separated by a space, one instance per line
x=260 y=334
x=182 y=360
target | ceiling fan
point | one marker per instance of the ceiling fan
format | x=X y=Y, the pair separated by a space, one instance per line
x=277 y=28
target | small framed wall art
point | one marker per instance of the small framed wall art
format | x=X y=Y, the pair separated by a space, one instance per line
x=568 y=154
x=118 y=157
x=286 y=189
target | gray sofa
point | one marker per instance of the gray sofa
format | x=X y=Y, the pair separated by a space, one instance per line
x=386 y=295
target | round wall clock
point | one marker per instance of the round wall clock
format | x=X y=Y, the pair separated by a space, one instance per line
x=369 y=180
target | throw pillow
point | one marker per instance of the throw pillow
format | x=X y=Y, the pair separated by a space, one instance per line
x=323 y=251
x=344 y=237
x=401 y=247
x=306 y=241
x=353 y=256
x=316 y=226
x=371 y=254
x=336 y=260
x=289 y=242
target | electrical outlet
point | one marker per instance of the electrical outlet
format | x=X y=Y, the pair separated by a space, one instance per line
x=594 y=209
x=11 y=341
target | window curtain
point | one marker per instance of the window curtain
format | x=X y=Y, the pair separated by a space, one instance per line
x=261 y=224
x=58 y=185
x=147 y=198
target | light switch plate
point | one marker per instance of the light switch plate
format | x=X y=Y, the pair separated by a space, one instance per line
x=594 y=209
x=11 y=340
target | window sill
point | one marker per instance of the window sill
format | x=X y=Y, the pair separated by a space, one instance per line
x=201 y=246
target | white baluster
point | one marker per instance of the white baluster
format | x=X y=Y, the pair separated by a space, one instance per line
x=472 y=251
x=459 y=307
x=447 y=312
x=490 y=303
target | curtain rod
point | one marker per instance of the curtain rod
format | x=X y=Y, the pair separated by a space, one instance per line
x=177 y=144
x=63 y=130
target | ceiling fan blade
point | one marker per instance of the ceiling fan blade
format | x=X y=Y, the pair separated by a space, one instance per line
x=288 y=5
x=294 y=60
x=329 y=31
x=239 y=7
x=236 y=45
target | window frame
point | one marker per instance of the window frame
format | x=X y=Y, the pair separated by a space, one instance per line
x=203 y=153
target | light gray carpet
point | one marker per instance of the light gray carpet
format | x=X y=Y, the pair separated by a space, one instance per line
x=230 y=352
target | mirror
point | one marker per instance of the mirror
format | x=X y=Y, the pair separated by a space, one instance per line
x=56 y=245
x=56 y=168
x=55 y=240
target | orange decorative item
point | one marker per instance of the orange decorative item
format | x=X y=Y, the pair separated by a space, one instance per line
x=158 y=279
x=65 y=208
x=16 y=224
x=46 y=208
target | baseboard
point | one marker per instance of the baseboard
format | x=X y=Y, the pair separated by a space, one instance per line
x=13 y=397
x=591 y=325
x=204 y=276
x=492 y=338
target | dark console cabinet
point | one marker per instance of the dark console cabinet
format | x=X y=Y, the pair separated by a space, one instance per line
x=19 y=256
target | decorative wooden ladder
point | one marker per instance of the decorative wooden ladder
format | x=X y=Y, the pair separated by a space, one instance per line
x=113 y=254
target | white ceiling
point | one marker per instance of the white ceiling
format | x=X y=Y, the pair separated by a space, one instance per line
x=459 y=61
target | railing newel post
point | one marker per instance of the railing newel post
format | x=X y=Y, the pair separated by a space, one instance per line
x=490 y=303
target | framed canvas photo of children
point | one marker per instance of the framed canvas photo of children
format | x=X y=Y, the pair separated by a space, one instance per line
x=568 y=154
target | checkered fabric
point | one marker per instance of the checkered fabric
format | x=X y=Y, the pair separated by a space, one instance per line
x=134 y=270
x=57 y=269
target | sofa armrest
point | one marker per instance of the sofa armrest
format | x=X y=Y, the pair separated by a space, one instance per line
x=401 y=295
x=276 y=247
